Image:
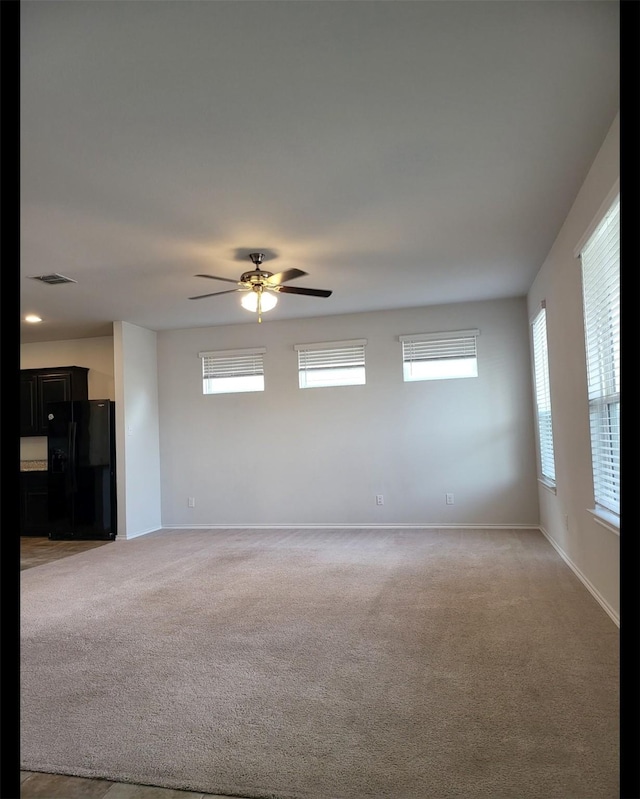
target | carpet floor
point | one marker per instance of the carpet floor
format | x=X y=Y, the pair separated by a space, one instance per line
x=322 y=664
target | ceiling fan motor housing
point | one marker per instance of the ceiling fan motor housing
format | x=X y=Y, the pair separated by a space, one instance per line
x=256 y=278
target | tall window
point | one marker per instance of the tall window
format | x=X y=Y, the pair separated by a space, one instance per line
x=332 y=363
x=230 y=371
x=439 y=356
x=543 y=396
x=600 y=259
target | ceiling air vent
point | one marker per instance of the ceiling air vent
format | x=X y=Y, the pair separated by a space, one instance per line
x=53 y=279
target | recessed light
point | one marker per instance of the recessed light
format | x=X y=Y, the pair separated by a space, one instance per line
x=32 y=318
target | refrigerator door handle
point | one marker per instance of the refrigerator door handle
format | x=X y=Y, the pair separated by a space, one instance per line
x=72 y=455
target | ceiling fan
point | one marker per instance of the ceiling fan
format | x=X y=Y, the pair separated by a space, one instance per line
x=261 y=287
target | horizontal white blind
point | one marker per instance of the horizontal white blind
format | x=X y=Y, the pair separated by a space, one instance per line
x=430 y=356
x=439 y=350
x=331 y=345
x=339 y=363
x=543 y=396
x=232 y=366
x=600 y=260
x=228 y=371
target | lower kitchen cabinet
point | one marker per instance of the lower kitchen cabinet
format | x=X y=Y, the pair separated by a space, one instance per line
x=34 y=510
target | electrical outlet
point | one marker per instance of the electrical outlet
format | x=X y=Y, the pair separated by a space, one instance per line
x=379 y=499
x=192 y=502
x=449 y=499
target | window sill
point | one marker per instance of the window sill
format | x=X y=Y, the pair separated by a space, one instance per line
x=549 y=486
x=606 y=519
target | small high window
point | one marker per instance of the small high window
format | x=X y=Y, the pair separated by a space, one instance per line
x=230 y=371
x=331 y=363
x=439 y=356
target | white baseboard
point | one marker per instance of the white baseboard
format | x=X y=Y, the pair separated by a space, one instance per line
x=434 y=526
x=584 y=580
x=129 y=536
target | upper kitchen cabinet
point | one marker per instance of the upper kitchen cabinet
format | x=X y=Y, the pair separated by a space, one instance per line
x=40 y=386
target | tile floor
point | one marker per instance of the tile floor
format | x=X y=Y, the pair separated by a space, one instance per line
x=35 y=551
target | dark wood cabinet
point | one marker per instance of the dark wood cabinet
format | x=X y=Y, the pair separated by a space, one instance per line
x=28 y=405
x=40 y=386
x=34 y=511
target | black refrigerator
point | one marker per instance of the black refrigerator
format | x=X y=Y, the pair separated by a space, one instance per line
x=82 y=469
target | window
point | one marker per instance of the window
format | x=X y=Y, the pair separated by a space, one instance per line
x=228 y=371
x=331 y=363
x=439 y=356
x=600 y=259
x=543 y=396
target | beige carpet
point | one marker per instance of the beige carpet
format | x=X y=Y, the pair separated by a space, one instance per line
x=336 y=664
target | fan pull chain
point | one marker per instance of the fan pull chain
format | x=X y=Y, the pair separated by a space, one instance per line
x=259 y=307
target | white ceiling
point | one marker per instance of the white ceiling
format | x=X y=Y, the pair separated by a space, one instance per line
x=403 y=153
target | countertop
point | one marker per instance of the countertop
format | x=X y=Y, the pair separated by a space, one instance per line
x=33 y=466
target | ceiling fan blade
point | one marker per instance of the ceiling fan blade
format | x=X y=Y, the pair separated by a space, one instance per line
x=215 y=294
x=288 y=274
x=214 y=277
x=309 y=292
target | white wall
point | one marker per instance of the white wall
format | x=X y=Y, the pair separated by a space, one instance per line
x=591 y=549
x=287 y=456
x=137 y=434
x=94 y=353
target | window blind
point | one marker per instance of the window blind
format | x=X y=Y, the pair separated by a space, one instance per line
x=543 y=396
x=338 y=363
x=228 y=371
x=436 y=356
x=600 y=261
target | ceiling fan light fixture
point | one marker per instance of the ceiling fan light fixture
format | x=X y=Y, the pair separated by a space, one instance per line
x=268 y=301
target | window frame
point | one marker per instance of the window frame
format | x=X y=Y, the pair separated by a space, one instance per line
x=451 y=349
x=542 y=395
x=330 y=356
x=242 y=363
x=602 y=355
